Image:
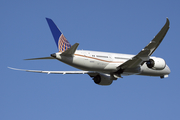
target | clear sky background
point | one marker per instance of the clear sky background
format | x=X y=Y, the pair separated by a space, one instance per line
x=120 y=26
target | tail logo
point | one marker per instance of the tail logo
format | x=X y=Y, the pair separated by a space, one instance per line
x=59 y=38
x=63 y=44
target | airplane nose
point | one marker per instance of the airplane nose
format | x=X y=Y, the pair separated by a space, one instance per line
x=53 y=55
x=168 y=70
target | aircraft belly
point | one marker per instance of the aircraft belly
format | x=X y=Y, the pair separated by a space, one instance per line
x=132 y=71
x=111 y=67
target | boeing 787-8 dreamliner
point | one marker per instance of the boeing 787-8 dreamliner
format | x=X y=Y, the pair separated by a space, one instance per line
x=104 y=67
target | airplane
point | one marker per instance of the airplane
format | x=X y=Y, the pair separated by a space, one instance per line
x=105 y=67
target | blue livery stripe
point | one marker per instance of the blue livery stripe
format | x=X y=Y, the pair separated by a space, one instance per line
x=54 y=30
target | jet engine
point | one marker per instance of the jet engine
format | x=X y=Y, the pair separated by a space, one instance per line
x=103 y=79
x=156 y=63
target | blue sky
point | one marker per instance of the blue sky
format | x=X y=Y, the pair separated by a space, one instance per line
x=113 y=26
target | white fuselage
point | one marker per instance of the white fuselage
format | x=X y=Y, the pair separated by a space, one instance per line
x=106 y=62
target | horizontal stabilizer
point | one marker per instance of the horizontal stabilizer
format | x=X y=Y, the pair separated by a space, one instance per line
x=71 y=50
x=40 y=58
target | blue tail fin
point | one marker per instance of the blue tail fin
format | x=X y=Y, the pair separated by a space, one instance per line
x=61 y=41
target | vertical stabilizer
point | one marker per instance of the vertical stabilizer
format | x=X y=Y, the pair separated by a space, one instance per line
x=61 y=41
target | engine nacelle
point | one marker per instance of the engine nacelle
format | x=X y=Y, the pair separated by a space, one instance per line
x=156 y=63
x=103 y=79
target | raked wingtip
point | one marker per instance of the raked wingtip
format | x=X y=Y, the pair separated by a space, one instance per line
x=15 y=69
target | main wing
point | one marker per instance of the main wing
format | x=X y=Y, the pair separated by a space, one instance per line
x=145 y=53
x=56 y=72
